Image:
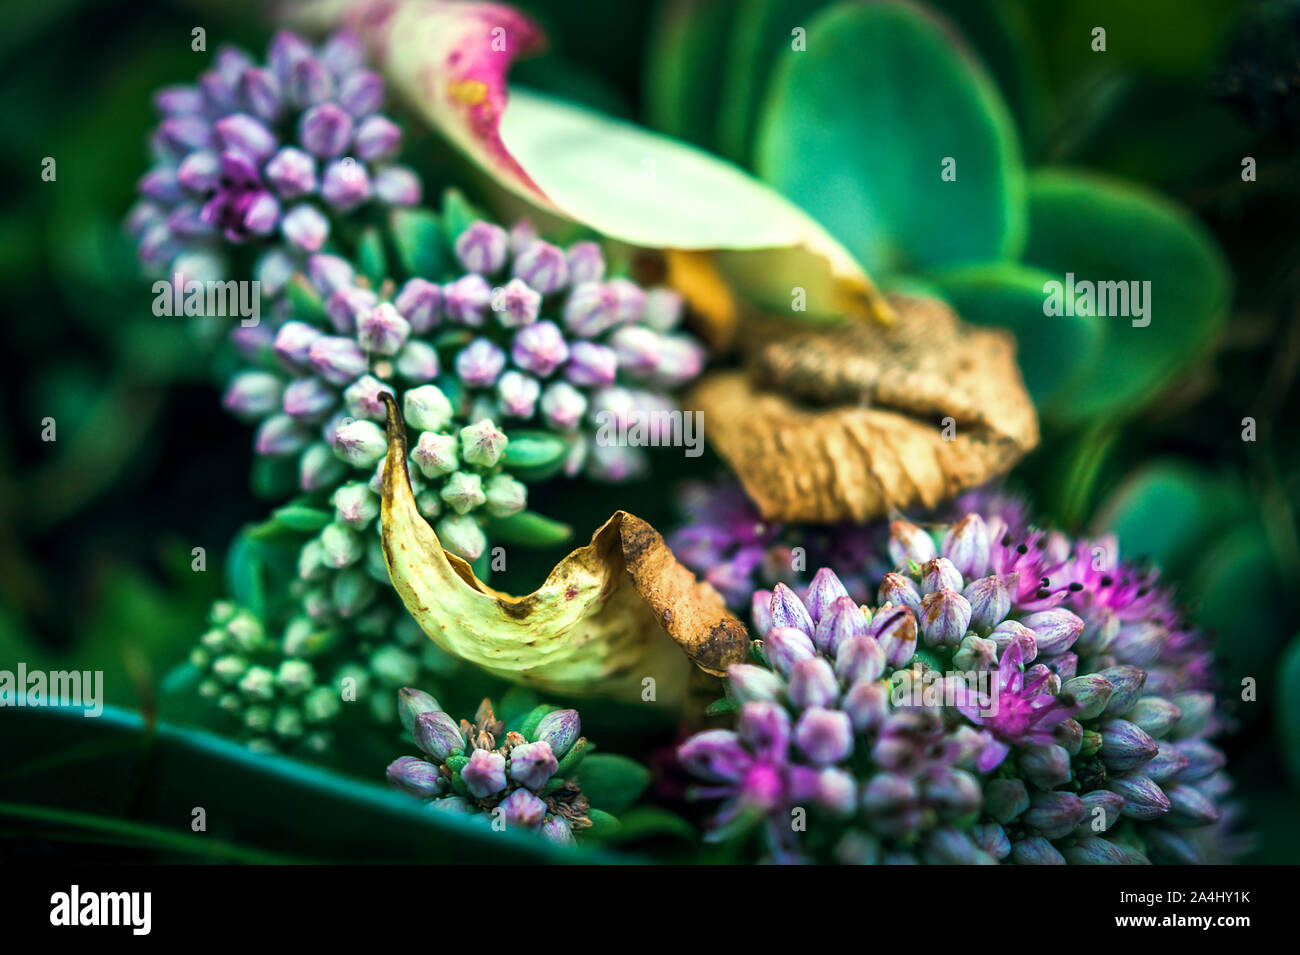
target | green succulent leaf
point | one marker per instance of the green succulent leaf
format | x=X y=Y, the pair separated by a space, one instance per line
x=148 y=776
x=612 y=782
x=1101 y=230
x=528 y=529
x=1167 y=510
x=684 y=73
x=859 y=128
x=603 y=825
x=534 y=455
x=301 y=517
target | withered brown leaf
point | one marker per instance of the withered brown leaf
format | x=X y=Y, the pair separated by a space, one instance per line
x=848 y=422
x=598 y=626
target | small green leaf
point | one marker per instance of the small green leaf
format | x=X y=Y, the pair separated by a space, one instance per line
x=371 y=257
x=722 y=707
x=528 y=529
x=418 y=239
x=573 y=758
x=603 y=825
x=246 y=572
x=299 y=517
x=458 y=213
x=535 y=455
x=304 y=304
x=612 y=782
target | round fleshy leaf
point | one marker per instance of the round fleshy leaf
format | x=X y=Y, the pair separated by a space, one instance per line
x=1167 y=510
x=859 y=130
x=1166 y=278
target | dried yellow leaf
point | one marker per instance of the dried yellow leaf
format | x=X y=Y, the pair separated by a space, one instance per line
x=610 y=616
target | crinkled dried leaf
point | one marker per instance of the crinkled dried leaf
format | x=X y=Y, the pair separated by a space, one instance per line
x=598 y=626
x=848 y=423
x=449 y=60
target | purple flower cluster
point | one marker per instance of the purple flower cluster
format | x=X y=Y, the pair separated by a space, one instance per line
x=554 y=342
x=1011 y=696
x=267 y=154
x=726 y=541
x=480 y=769
x=316 y=390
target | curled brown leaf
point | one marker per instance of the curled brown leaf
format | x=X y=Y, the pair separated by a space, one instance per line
x=853 y=421
x=609 y=616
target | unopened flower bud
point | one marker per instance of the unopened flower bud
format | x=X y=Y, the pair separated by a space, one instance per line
x=967 y=545
x=867 y=705
x=426 y=408
x=1127 y=683
x=415 y=776
x=1005 y=799
x=505 y=495
x=305 y=227
x=411 y=702
x=824 y=736
x=560 y=729
x=1055 y=630
x=437 y=734
x=1093 y=850
x=945 y=615
x=532 y=764
x=417 y=361
x=462 y=535
x=563 y=405
x=360 y=443
x=843 y=620
x=785 y=646
x=812 y=683
x=485 y=773
x=990 y=599
x=482 y=247
x=859 y=658
x=382 y=330
x=1143 y=799
x=463 y=492
x=900 y=590
x=338 y=360
x=788 y=610
x=1154 y=715
x=482 y=443
x=279 y=435
x=420 y=301
x=543 y=266
x=435 y=454
x=895 y=629
x=1054 y=814
x=1090 y=693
